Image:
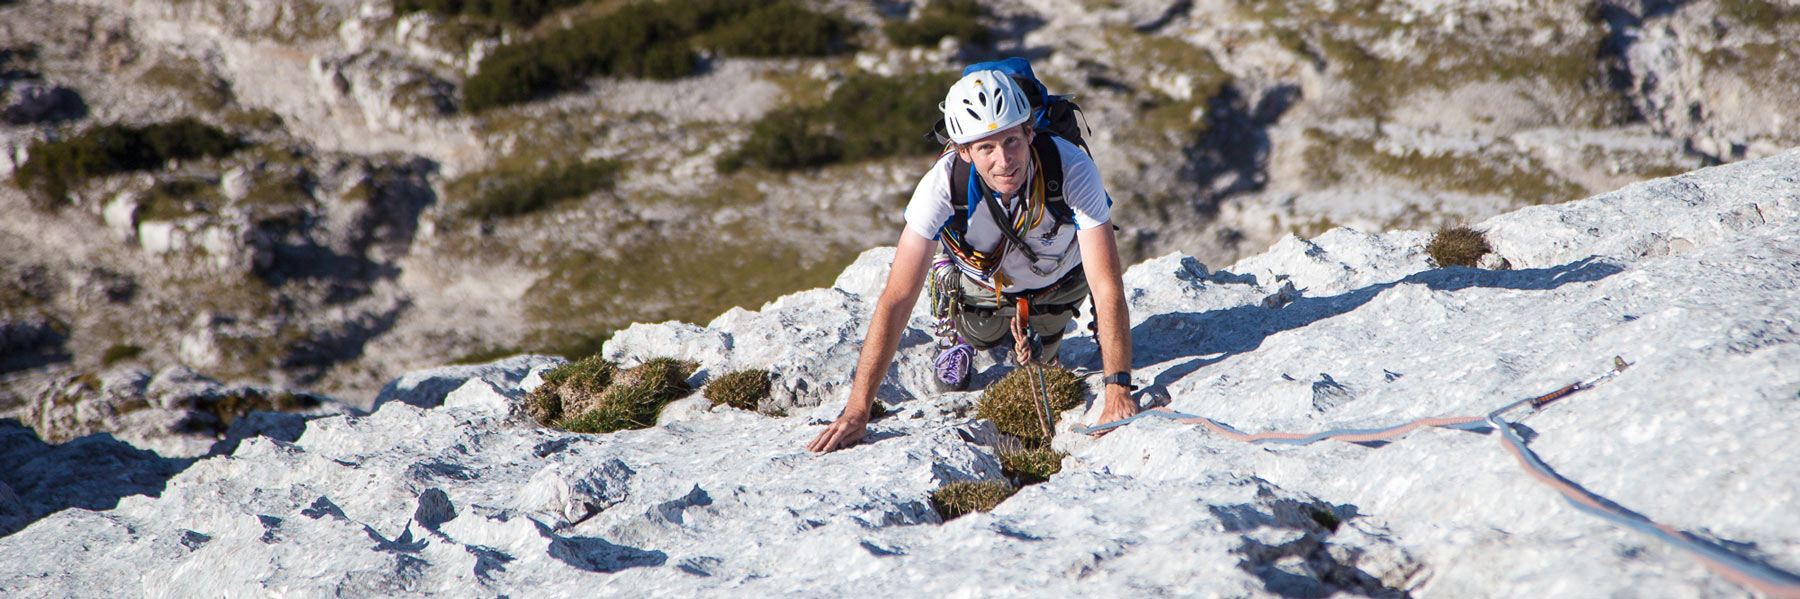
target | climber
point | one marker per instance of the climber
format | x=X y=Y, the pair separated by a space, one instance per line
x=1042 y=234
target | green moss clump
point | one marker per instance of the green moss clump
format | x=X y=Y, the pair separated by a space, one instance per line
x=55 y=167
x=954 y=500
x=593 y=396
x=509 y=192
x=743 y=389
x=119 y=353
x=869 y=116
x=1012 y=402
x=179 y=198
x=1031 y=466
x=1457 y=246
x=944 y=18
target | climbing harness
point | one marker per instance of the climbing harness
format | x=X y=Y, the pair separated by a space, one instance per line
x=1770 y=581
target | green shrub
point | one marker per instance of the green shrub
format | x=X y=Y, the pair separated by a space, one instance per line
x=1012 y=402
x=869 y=116
x=57 y=166
x=171 y=199
x=119 y=353
x=593 y=396
x=509 y=194
x=954 y=500
x=1031 y=466
x=943 y=18
x=781 y=29
x=521 y=12
x=1457 y=246
x=650 y=40
x=743 y=389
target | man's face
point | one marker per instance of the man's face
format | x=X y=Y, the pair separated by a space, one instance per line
x=1001 y=158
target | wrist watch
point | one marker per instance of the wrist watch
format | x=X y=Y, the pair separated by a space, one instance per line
x=1121 y=378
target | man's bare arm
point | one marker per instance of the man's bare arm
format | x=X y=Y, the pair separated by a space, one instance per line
x=1100 y=258
x=905 y=278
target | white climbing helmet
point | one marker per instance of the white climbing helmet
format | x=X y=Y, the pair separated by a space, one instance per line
x=982 y=103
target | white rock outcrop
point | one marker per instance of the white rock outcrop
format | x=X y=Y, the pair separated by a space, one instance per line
x=1693 y=279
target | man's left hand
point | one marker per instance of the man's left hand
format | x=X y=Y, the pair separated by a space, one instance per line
x=1119 y=406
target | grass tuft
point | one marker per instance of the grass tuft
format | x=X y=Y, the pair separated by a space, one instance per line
x=743 y=389
x=592 y=395
x=1031 y=466
x=569 y=384
x=1457 y=246
x=954 y=500
x=1012 y=402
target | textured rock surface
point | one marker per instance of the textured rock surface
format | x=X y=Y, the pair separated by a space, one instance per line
x=1693 y=279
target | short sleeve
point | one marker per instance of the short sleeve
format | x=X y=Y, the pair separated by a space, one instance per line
x=930 y=206
x=1082 y=188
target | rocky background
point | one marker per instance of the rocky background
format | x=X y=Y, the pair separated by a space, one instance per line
x=339 y=247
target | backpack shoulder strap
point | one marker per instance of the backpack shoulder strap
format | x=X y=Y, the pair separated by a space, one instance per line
x=959 y=199
x=1051 y=167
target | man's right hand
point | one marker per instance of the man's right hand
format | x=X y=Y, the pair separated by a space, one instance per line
x=846 y=431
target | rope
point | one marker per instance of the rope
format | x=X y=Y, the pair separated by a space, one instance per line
x=1022 y=351
x=1768 y=580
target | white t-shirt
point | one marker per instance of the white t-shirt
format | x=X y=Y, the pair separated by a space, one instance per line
x=930 y=208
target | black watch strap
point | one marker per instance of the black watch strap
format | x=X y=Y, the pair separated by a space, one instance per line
x=1121 y=378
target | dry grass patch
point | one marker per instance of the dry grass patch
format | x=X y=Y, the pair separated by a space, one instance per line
x=742 y=389
x=954 y=500
x=592 y=395
x=1012 y=402
x=1457 y=246
x=1031 y=466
